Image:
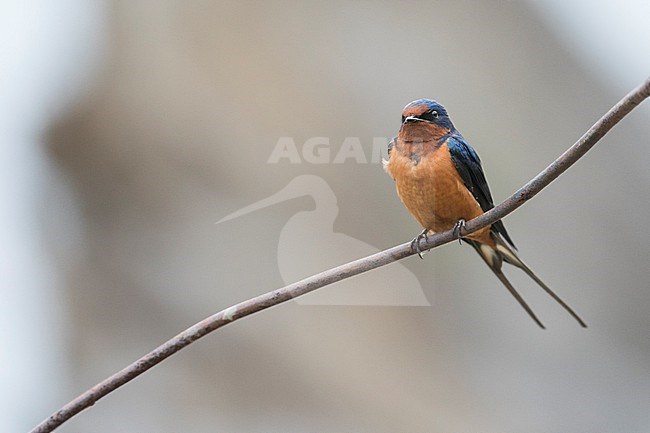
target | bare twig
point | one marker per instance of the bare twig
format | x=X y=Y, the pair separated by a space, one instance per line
x=246 y=308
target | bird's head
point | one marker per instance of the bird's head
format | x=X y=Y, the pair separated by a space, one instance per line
x=426 y=114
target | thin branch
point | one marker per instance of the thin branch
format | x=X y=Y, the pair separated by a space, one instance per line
x=270 y=299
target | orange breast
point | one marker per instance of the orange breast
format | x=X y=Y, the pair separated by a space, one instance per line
x=433 y=191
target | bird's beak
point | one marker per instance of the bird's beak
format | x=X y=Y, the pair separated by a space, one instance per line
x=287 y=193
x=413 y=119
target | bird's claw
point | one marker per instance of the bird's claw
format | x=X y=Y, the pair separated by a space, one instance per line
x=458 y=229
x=415 y=244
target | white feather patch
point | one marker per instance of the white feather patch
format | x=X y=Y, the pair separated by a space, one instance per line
x=505 y=251
x=488 y=253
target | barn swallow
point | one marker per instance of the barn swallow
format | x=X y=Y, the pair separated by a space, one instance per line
x=440 y=180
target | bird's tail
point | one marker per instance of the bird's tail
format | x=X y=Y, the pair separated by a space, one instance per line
x=494 y=258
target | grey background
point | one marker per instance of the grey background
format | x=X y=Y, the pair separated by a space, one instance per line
x=158 y=120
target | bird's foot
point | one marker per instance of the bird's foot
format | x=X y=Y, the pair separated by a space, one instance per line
x=458 y=229
x=415 y=244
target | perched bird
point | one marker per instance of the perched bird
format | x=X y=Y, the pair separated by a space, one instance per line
x=440 y=180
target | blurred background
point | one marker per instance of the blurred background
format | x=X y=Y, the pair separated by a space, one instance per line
x=127 y=129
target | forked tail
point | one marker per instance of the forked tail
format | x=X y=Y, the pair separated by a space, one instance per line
x=495 y=258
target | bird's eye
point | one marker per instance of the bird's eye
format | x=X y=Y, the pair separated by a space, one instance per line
x=434 y=113
x=403 y=119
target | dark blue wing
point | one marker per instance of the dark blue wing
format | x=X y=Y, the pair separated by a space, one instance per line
x=469 y=167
